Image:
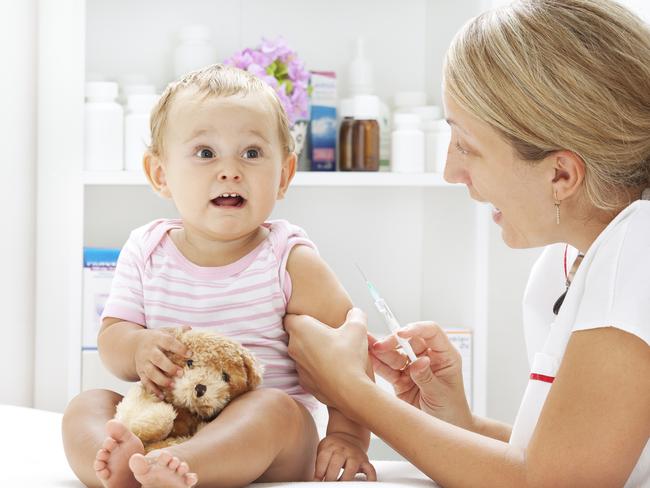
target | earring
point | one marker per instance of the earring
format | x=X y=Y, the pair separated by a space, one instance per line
x=557 y=208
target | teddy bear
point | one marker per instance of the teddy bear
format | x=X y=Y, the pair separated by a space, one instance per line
x=219 y=371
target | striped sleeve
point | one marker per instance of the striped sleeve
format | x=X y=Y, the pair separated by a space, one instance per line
x=126 y=299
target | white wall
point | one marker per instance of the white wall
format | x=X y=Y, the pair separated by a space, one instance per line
x=17 y=193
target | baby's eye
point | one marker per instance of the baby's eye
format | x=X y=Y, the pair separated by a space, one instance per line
x=252 y=153
x=226 y=377
x=204 y=153
x=189 y=363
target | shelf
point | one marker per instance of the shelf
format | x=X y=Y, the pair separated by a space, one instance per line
x=302 y=178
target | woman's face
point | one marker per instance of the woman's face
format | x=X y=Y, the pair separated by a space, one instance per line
x=520 y=192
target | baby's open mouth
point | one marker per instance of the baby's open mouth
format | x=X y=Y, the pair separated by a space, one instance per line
x=229 y=200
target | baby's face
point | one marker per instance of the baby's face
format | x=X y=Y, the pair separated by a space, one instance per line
x=224 y=163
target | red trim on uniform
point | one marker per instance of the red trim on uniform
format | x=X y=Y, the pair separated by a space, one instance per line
x=541 y=377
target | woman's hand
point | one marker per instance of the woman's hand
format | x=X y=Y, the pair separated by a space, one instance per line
x=434 y=382
x=155 y=369
x=328 y=359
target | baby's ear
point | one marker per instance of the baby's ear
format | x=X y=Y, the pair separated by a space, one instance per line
x=253 y=370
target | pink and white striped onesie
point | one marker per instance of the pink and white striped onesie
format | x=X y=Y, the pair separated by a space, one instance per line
x=156 y=286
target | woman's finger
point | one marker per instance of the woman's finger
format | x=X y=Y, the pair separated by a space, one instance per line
x=430 y=332
x=382 y=369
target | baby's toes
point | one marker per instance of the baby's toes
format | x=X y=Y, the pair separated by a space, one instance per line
x=109 y=444
x=182 y=469
x=191 y=479
x=102 y=455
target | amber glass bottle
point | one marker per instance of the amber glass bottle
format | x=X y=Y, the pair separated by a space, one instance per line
x=345 y=145
x=365 y=145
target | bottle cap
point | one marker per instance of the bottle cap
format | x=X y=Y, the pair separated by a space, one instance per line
x=101 y=90
x=406 y=120
x=366 y=107
x=360 y=71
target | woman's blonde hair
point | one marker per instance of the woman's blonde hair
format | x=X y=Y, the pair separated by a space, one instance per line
x=562 y=74
x=220 y=81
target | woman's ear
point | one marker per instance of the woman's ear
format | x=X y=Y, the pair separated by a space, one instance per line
x=155 y=172
x=569 y=174
x=288 y=172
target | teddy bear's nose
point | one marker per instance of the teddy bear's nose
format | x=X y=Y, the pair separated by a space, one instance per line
x=200 y=390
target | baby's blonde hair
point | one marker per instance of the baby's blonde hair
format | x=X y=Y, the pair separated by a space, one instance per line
x=220 y=81
x=562 y=74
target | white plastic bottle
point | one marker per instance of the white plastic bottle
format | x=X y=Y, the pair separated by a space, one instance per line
x=103 y=127
x=437 y=134
x=194 y=49
x=137 y=131
x=407 y=144
x=361 y=82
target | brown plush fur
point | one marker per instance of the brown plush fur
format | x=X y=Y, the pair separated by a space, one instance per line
x=223 y=369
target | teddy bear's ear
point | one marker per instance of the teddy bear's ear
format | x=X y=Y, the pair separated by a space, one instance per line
x=253 y=370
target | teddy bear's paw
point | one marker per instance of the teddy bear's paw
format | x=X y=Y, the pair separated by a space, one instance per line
x=161 y=469
x=149 y=421
x=112 y=460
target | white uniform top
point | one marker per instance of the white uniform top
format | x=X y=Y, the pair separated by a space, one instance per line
x=610 y=289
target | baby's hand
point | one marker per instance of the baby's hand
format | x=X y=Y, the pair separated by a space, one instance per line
x=155 y=369
x=338 y=451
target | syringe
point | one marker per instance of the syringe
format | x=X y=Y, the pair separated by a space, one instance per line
x=385 y=311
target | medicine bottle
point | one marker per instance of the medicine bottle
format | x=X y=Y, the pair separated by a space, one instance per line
x=407 y=144
x=103 y=127
x=137 y=131
x=194 y=50
x=365 y=133
x=345 y=144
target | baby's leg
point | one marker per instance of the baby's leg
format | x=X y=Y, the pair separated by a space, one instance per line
x=98 y=452
x=264 y=435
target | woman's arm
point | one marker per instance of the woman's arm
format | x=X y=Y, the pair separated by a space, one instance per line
x=593 y=427
x=316 y=291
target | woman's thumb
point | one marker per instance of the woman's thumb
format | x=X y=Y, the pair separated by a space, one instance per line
x=420 y=372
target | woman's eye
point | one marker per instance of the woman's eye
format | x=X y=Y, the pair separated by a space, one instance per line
x=464 y=152
x=189 y=363
x=204 y=153
x=252 y=153
x=226 y=377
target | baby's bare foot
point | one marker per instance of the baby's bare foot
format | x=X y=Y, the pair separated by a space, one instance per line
x=159 y=469
x=112 y=460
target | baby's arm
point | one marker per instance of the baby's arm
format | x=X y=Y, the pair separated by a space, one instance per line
x=317 y=292
x=132 y=352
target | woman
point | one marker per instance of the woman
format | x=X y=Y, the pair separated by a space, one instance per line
x=549 y=105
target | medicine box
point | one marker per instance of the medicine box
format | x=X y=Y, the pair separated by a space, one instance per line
x=99 y=268
x=322 y=131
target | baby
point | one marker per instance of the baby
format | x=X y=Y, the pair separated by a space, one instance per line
x=222 y=151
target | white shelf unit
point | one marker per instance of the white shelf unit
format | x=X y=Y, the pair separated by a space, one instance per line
x=421 y=241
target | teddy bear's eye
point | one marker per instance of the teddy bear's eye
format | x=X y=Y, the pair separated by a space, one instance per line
x=189 y=363
x=226 y=377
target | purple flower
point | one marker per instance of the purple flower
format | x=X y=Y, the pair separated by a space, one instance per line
x=278 y=65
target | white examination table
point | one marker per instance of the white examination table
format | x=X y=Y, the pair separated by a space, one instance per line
x=31 y=456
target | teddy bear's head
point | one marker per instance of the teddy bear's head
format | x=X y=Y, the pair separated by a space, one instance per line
x=219 y=371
